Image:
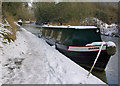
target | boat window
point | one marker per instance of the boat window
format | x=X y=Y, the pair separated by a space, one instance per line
x=82 y=37
x=73 y=37
x=59 y=35
x=51 y=34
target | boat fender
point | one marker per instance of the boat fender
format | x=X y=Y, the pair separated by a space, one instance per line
x=111 y=48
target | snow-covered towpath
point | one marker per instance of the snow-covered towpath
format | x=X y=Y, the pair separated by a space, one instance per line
x=29 y=60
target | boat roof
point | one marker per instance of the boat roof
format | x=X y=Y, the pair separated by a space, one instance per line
x=20 y=20
x=71 y=27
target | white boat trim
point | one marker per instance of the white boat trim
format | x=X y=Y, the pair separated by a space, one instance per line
x=86 y=48
x=75 y=27
x=20 y=21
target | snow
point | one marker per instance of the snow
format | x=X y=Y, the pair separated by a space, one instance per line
x=111 y=31
x=76 y=27
x=3 y=32
x=96 y=43
x=30 y=60
x=106 y=29
x=110 y=44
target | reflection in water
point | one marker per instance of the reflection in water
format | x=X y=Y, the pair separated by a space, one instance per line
x=32 y=29
x=112 y=66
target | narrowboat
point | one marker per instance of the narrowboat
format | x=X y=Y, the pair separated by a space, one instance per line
x=79 y=43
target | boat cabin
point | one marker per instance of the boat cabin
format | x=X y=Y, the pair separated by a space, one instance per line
x=72 y=35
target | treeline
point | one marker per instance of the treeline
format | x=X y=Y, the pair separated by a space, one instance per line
x=18 y=10
x=75 y=12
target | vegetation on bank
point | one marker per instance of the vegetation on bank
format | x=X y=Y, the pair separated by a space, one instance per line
x=74 y=12
x=13 y=11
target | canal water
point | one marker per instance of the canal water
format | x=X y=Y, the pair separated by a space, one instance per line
x=112 y=66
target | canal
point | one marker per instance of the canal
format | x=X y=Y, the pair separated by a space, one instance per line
x=112 y=66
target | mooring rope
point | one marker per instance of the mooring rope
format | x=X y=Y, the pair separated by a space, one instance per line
x=96 y=59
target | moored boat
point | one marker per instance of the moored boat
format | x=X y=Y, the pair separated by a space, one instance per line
x=79 y=43
x=20 y=22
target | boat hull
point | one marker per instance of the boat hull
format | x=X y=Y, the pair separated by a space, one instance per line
x=20 y=23
x=73 y=43
x=85 y=59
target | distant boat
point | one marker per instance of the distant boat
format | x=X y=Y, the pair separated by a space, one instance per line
x=27 y=22
x=20 y=22
x=79 y=43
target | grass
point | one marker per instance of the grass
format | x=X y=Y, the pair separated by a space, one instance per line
x=10 y=20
